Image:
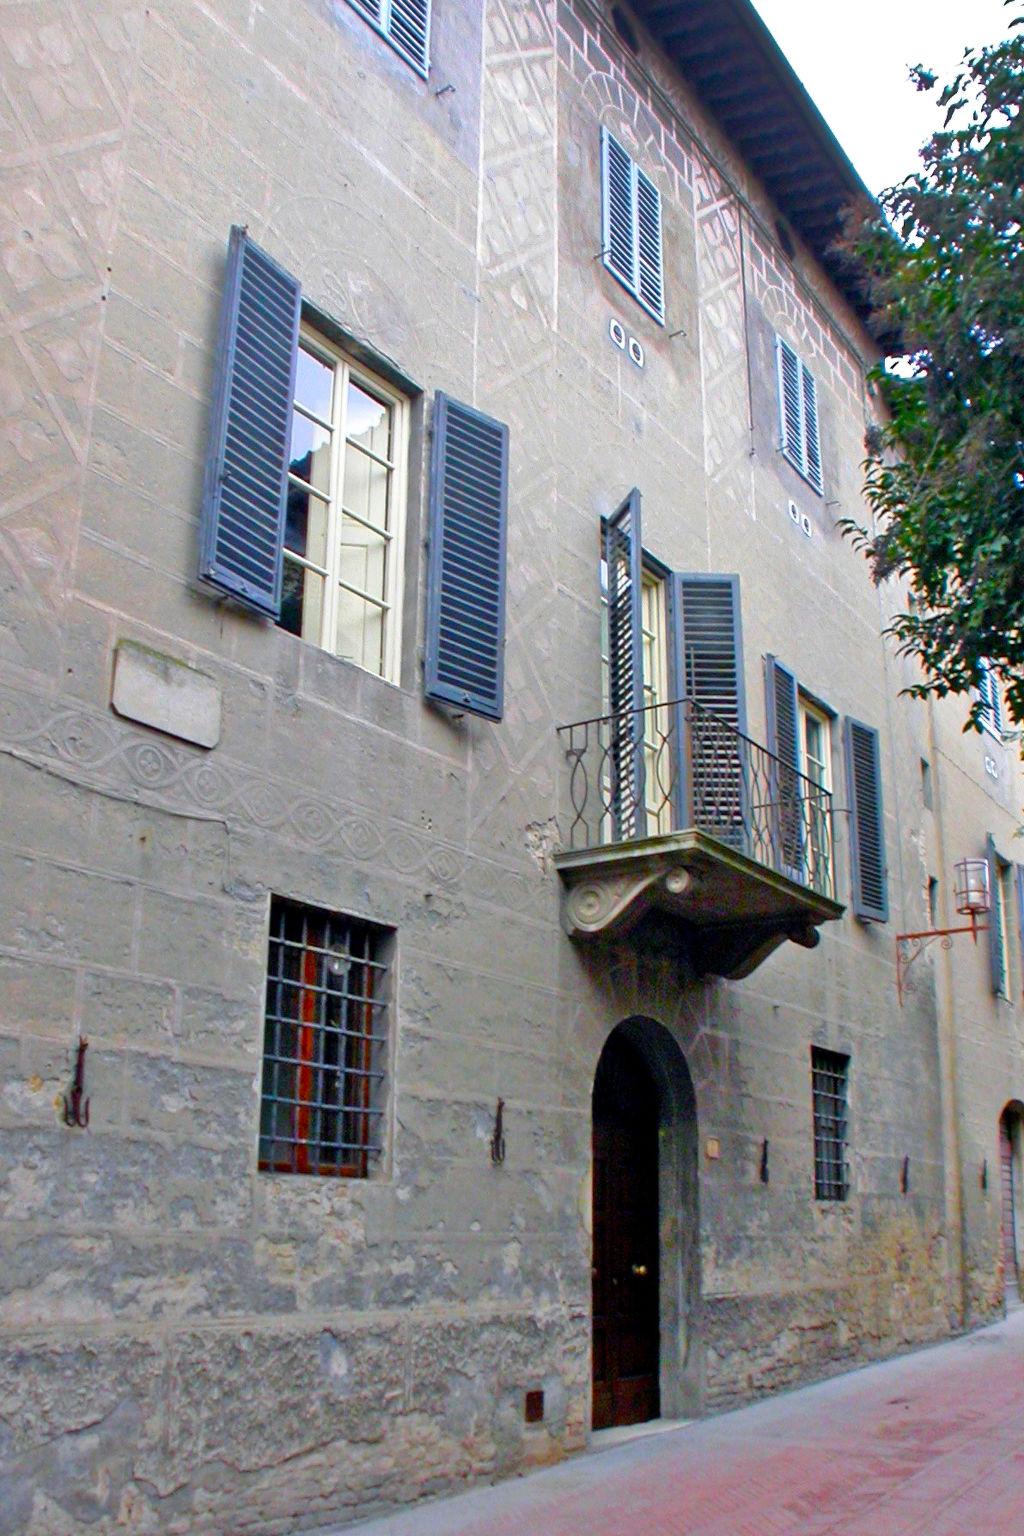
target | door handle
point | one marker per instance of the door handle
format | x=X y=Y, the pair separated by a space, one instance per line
x=639 y=1269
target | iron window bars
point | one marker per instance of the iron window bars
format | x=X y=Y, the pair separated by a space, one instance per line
x=829 y=1078
x=321 y=1109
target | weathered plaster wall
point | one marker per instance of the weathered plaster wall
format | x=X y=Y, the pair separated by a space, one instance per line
x=186 y=1343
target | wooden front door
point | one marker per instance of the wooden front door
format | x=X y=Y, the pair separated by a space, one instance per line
x=625 y=1232
x=1009 y=1215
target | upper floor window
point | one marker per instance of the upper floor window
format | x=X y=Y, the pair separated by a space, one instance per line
x=304 y=496
x=405 y=24
x=798 y=414
x=631 y=227
x=991 y=703
x=816 y=754
x=341 y=583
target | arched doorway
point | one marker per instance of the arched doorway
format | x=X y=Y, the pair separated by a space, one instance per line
x=1011 y=1122
x=645 y=1248
x=625 y=1265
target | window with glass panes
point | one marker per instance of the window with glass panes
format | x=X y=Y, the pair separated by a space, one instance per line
x=816 y=751
x=345 y=514
x=658 y=764
x=657 y=725
x=324 y=1043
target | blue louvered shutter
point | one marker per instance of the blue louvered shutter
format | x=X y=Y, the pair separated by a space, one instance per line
x=867 y=835
x=650 y=282
x=409 y=30
x=709 y=672
x=243 y=508
x=812 y=442
x=465 y=638
x=783 y=713
x=791 y=429
x=998 y=958
x=406 y=25
x=619 y=233
x=623 y=554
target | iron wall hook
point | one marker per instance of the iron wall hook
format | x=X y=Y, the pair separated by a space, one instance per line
x=76 y=1106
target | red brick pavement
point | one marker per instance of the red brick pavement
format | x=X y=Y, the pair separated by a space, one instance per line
x=931 y=1444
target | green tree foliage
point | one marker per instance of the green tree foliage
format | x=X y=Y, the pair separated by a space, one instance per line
x=945 y=477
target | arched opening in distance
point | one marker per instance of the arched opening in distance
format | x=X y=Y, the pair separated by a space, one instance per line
x=1011 y=1148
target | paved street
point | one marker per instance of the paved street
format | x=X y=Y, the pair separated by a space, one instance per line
x=930 y=1443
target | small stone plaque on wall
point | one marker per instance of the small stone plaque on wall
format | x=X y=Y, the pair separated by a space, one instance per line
x=166 y=694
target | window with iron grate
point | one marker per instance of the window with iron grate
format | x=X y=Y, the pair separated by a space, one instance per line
x=829 y=1084
x=324 y=1044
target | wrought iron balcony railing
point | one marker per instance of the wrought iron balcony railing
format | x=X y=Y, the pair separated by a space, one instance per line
x=648 y=772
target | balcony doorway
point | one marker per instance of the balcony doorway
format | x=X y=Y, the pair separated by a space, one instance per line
x=645 y=1244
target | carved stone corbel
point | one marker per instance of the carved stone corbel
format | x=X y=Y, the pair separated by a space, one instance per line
x=606 y=903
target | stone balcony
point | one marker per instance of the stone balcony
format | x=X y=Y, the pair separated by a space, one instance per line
x=680 y=831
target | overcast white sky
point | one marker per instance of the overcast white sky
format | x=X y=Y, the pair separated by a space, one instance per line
x=853 y=59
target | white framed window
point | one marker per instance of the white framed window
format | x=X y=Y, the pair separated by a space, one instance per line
x=631 y=244
x=658 y=760
x=798 y=414
x=991 y=703
x=816 y=765
x=344 y=527
x=406 y=26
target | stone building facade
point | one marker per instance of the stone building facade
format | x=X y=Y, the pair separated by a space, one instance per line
x=193 y=1342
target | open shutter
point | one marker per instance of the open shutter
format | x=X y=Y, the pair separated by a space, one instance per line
x=465 y=639
x=242 y=514
x=709 y=670
x=623 y=554
x=409 y=30
x=650 y=282
x=997 y=955
x=791 y=431
x=618 y=240
x=784 y=742
x=812 y=443
x=867 y=837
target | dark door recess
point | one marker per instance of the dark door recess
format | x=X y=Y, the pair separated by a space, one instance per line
x=1010 y=1275
x=625 y=1253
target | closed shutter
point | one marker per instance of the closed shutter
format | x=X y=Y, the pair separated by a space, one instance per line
x=867 y=836
x=649 y=259
x=709 y=665
x=631 y=234
x=619 y=234
x=799 y=436
x=1019 y=872
x=405 y=23
x=623 y=553
x=998 y=969
x=812 y=444
x=791 y=427
x=409 y=30
x=242 y=514
x=465 y=638
x=784 y=741
x=992 y=708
